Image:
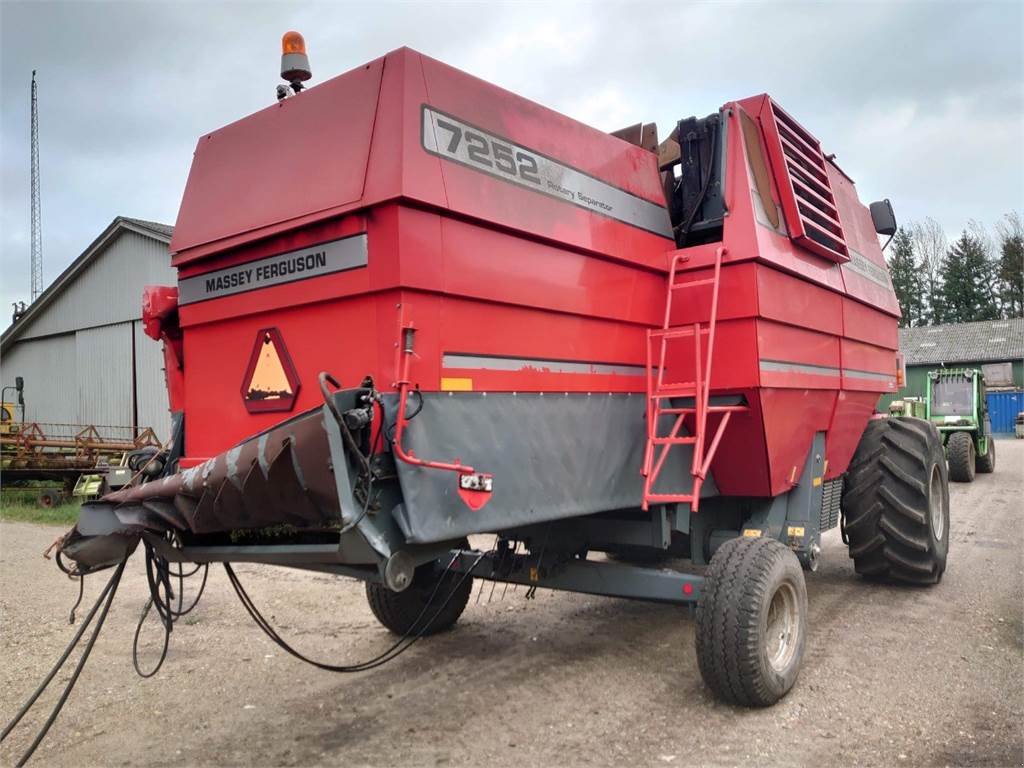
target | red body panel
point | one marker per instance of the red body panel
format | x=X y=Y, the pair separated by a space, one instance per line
x=510 y=287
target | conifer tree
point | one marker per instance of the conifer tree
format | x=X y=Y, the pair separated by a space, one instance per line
x=907 y=281
x=967 y=280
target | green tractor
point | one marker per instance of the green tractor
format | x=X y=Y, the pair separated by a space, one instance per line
x=955 y=402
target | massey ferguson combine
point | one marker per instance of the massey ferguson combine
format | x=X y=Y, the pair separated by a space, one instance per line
x=413 y=307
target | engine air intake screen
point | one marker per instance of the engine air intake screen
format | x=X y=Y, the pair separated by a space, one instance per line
x=805 y=192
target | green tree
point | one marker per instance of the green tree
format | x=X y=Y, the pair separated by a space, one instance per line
x=967 y=281
x=1010 y=269
x=907 y=280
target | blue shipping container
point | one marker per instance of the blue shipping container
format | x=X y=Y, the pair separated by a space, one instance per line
x=1003 y=408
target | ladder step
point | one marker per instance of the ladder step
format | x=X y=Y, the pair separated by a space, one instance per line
x=694 y=283
x=688 y=440
x=684 y=397
x=682 y=389
x=675 y=332
x=669 y=498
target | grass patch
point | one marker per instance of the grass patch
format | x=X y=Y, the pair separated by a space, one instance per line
x=25 y=510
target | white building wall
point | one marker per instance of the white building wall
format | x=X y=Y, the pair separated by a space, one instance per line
x=49 y=369
x=76 y=356
x=104 y=365
x=109 y=290
x=150 y=385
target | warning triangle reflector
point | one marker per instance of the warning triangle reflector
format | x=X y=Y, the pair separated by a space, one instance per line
x=271 y=382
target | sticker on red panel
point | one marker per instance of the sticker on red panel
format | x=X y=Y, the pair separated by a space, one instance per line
x=271 y=382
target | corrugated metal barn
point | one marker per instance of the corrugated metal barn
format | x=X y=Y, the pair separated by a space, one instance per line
x=996 y=347
x=80 y=346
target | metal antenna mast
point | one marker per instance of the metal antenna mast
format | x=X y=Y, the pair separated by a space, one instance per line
x=37 y=235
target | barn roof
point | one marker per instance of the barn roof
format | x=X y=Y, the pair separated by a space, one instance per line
x=983 y=341
x=163 y=231
x=153 y=229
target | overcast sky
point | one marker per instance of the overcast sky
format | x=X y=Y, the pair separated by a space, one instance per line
x=922 y=102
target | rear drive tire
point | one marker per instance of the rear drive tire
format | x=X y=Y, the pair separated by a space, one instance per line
x=399 y=611
x=961 y=455
x=752 y=622
x=987 y=464
x=896 y=502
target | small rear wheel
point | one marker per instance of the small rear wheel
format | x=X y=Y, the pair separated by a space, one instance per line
x=752 y=622
x=960 y=454
x=49 y=498
x=411 y=611
x=987 y=464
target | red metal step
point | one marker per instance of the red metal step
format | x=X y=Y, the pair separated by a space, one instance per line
x=658 y=391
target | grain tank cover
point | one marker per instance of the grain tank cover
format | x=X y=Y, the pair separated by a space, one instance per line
x=300 y=158
x=407 y=127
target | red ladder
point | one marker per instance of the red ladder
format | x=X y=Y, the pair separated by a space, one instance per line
x=660 y=394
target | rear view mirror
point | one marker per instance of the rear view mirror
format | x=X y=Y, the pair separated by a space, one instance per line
x=883 y=218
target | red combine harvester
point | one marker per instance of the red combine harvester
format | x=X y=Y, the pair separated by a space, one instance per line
x=577 y=342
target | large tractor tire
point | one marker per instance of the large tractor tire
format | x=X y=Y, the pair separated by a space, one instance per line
x=896 y=502
x=752 y=622
x=409 y=612
x=961 y=455
x=987 y=464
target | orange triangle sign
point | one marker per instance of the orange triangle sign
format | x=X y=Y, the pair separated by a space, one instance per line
x=271 y=382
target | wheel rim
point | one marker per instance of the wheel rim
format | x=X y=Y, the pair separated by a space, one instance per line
x=936 y=512
x=782 y=628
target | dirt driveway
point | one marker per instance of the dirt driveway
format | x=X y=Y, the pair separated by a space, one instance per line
x=892 y=676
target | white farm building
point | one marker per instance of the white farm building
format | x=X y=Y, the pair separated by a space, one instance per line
x=80 y=347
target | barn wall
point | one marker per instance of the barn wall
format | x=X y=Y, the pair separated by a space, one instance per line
x=104 y=366
x=150 y=386
x=77 y=356
x=49 y=369
x=86 y=378
x=98 y=295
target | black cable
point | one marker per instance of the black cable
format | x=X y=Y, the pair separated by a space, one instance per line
x=390 y=430
x=419 y=396
x=178 y=612
x=106 y=595
x=78 y=602
x=362 y=666
x=60 y=662
x=369 y=487
x=685 y=227
x=135 y=644
x=158 y=576
x=391 y=653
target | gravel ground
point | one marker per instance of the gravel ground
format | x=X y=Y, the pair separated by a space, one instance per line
x=892 y=676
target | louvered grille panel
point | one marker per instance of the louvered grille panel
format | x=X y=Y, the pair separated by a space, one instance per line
x=801 y=176
x=832 y=494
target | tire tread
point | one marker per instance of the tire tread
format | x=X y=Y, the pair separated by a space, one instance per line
x=886 y=503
